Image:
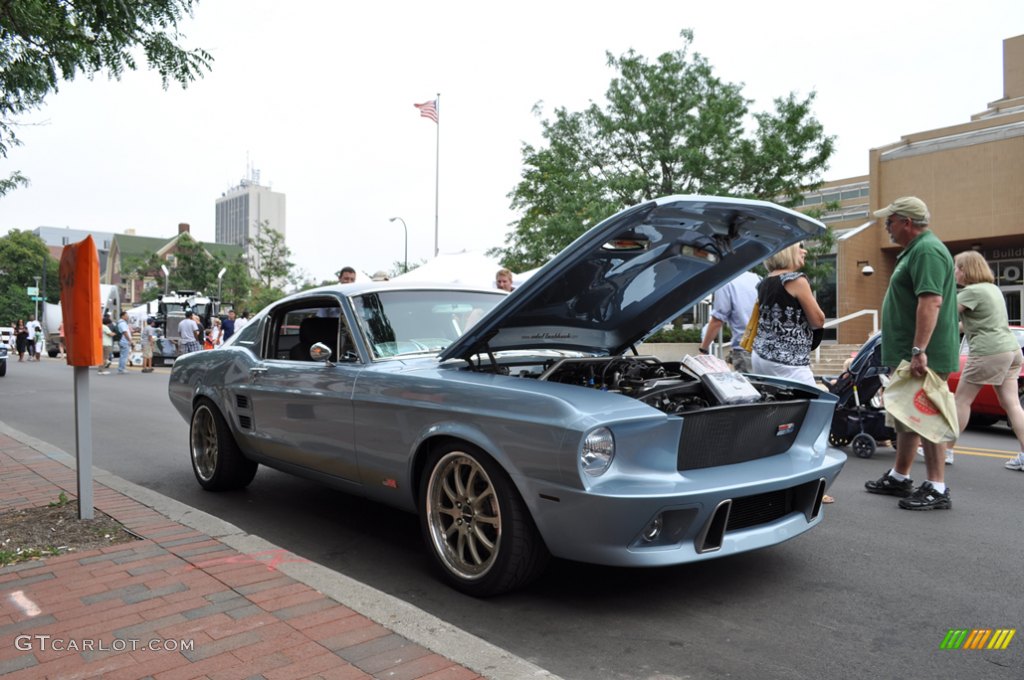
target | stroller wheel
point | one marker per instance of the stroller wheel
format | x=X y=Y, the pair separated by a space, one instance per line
x=864 y=445
x=837 y=441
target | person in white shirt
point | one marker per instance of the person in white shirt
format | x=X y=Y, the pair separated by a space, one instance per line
x=241 y=322
x=188 y=332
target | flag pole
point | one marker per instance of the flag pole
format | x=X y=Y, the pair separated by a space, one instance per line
x=437 y=170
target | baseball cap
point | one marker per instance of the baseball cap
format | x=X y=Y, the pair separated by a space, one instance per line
x=907 y=206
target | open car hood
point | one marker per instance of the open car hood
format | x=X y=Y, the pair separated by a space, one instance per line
x=633 y=272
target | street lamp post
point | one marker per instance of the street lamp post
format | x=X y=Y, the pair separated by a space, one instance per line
x=37 y=297
x=167 y=276
x=405 y=267
x=220 y=280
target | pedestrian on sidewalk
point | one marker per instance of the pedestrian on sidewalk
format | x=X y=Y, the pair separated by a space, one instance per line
x=106 y=328
x=733 y=304
x=188 y=332
x=20 y=339
x=994 y=357
x=148 y=341
x=788 y=317
x=919 y=318
x=125 y=343
x=39 y=344
x=30 y=341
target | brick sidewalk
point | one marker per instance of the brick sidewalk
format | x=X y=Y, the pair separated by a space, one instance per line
x=190 y=604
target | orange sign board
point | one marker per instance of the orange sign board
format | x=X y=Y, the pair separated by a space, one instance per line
x=80 y=303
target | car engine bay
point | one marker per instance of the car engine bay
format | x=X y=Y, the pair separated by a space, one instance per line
x=669 y=387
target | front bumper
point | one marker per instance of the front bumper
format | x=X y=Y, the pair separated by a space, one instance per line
x=704 y=514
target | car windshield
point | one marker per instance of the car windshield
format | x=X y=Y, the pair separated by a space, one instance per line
x=406 y=322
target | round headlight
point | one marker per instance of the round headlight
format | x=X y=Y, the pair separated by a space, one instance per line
x=597 y=451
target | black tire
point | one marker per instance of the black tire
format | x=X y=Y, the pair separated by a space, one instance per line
x=52 y=353
x=217 y=462
x=475 y=524
x=3 y=368
x=863 y=445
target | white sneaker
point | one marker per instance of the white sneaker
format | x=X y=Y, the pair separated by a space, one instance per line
x=920 y=451
x=1015 y=463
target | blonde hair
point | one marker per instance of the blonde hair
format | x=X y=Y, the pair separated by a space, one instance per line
x=503 y=272
x=784 y=259
x=975 y=268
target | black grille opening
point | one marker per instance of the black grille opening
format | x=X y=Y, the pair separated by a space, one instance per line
x=245 y=422
x=734 y=434
x=241 y=401
x=763 y=508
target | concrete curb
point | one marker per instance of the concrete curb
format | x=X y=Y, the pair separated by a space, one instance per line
x=397 y=615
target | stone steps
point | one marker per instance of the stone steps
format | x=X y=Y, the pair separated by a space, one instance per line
x=830 y=358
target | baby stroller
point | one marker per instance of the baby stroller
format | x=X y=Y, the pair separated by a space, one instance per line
x=859 y=419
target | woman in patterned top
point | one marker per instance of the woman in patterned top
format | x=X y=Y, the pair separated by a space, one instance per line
x=788 y=316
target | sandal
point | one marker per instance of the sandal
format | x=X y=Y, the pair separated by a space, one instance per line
x=826 y=499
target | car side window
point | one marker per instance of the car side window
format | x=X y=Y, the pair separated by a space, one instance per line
x=249 y=337
x=295 y=329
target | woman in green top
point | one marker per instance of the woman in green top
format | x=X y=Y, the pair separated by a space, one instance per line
x=994 y=357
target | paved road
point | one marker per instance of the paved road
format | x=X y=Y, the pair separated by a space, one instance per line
x=869 y=593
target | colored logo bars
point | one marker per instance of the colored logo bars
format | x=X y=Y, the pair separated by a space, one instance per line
x=978 y=638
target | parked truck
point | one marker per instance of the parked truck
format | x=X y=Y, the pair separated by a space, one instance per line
x=170 y=311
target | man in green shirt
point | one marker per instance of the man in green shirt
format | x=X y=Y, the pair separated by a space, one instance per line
x=919 y=324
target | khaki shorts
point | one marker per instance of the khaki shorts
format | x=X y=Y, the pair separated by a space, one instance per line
x=994 y=369
x=900 y=427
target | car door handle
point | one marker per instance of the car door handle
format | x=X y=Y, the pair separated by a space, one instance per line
x=256 y=370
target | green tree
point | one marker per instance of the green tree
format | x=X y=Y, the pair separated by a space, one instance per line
x=23 y=255
x=271 y=267
x=45 y=42
x=820 y=264
x=141 y=267
x=271 y=264
x=195 y=268
x=668 y=127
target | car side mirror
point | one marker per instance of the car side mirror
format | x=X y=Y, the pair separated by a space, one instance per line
x=320 y=352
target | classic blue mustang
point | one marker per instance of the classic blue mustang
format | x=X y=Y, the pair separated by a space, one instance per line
x=522 y=426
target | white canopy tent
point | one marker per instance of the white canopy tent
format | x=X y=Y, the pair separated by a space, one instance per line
x=465 y=268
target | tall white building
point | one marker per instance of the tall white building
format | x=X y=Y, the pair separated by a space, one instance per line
x=242 y=211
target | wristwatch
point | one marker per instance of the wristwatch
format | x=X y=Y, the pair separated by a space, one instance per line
x=914 y=351
x=702 y=350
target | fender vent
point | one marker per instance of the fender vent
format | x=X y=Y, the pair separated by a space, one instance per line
x=245 y=422
x=241 y=401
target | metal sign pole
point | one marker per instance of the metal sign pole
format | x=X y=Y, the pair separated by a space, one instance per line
x=83 y=441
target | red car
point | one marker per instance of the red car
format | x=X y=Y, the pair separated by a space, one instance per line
x=986 y=410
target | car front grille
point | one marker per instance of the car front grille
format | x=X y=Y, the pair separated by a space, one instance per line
x=723 y=435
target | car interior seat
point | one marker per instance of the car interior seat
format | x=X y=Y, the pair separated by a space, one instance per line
x=312 y=330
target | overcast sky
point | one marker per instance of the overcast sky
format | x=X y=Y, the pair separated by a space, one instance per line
x=318 y=96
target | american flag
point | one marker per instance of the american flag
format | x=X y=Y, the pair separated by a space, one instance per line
x=428 y=110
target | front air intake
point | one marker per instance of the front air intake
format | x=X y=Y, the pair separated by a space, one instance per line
x=711 y=537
